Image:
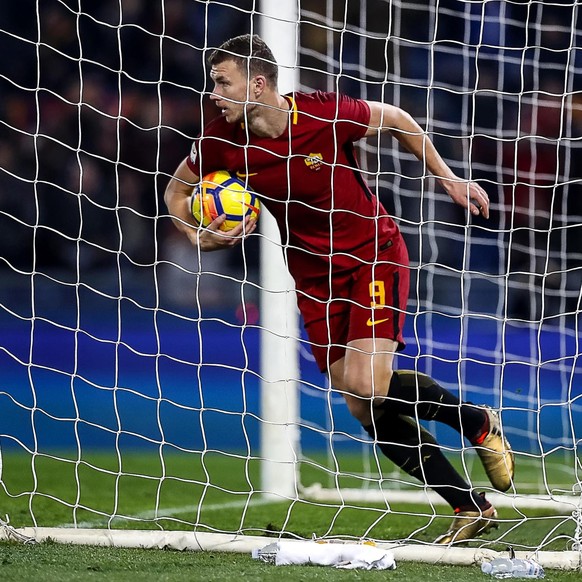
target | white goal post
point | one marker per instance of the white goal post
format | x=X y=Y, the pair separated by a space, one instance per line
x=149 y=390
x=280 y=439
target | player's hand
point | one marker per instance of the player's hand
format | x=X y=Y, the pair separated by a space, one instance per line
x=469 y=195
x=212 y=238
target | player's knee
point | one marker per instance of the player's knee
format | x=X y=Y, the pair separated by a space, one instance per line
x=367 y=383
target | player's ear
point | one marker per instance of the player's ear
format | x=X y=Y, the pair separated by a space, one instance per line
x=258 y=85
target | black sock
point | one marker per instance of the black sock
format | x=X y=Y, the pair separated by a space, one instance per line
x=416 y=452
x=419 y=396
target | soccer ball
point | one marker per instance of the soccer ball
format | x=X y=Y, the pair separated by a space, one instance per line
x=222 y=193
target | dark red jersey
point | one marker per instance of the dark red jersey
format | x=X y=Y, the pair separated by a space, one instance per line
x=309 y=180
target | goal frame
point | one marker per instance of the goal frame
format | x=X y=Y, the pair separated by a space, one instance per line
x=216 y=542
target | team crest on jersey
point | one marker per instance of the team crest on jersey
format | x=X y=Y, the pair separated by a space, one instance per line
x=313 y=161
x=193 y=153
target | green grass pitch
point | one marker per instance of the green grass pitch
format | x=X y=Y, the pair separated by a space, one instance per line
x=221 y=492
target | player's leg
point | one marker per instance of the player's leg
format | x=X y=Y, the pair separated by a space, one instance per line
x=415 y=450
x=369 y=321
x=366 y=374
x=378 y=297
x=402 y=440
x=419 y=396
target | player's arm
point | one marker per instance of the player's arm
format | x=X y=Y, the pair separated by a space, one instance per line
x=178 y=198
x=385 y=117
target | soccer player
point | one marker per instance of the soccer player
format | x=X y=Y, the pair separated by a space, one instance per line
x=346 y=255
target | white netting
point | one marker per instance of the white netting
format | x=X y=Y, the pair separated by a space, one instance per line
x=131 y=363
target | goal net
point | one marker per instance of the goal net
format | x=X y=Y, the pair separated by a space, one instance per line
x=154 y=395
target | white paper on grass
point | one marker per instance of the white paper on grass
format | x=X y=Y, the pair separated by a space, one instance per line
x=348 y=556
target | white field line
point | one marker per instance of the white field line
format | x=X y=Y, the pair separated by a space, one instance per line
x=171 y=511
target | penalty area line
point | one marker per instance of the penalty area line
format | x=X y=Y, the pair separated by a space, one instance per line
x=169 y=512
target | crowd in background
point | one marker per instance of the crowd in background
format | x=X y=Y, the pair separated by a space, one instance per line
x=100 y=106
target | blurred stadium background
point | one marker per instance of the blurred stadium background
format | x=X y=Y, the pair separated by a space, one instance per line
x=98 y=290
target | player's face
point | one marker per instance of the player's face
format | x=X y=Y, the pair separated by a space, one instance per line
x=231 y=92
